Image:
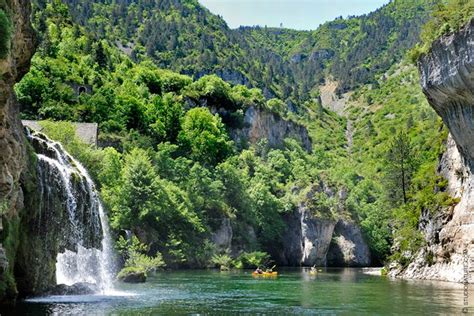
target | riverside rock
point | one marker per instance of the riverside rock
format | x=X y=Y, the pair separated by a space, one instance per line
x=83 y=288
x=132 y=276
x=348 y=247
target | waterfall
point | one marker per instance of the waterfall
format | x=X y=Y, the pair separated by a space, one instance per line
x=85 y=253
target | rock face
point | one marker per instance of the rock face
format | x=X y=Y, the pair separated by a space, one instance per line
x=133 y=277
x=222 y=238
x=447 y=78
x=348 y=247
x=260 y=124
x=13 y=152
x=307 y=239
x=321 y=240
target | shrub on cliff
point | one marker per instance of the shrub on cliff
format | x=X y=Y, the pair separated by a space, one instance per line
x=447 y=18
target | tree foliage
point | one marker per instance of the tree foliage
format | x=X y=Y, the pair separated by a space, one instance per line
x=448 y=17
x=400 y=165
x=204 y=135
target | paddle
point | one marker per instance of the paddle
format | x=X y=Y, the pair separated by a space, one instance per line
x=271 y=269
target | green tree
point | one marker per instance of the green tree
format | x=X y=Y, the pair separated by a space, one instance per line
x=203 y=135
x=110 y=167
x=400 y=165
x=214 y=89
x=164 y=115
x=100 y=56
x=137 y=194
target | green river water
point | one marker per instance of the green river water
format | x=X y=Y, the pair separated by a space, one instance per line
x=293 y=292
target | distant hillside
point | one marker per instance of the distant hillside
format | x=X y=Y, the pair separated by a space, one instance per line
x=185 y=37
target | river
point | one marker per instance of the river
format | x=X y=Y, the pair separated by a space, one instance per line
x=294 y=291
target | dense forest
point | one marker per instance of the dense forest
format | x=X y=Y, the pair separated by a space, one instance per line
x=169 y=84
x=185 y=37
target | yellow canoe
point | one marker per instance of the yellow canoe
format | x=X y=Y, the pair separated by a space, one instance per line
x=265 y=274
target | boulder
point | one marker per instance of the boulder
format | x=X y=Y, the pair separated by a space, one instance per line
x=131 y=275
x=82 y=288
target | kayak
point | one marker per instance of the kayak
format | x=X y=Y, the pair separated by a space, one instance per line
x=265 y=274
x=313 y=272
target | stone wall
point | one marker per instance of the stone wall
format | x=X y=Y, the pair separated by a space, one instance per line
x=87 y=132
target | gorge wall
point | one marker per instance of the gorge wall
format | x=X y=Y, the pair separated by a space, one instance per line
x=447 y=78
x=13 y=151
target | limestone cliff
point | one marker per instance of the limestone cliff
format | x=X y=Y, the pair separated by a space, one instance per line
x=260 y=124
x=257 y=124
x=447 y=78
x=307 y=239
x=320 y=239
x=13 y=153
x=348 y=247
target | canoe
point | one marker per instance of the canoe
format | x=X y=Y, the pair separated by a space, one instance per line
x=265 y=274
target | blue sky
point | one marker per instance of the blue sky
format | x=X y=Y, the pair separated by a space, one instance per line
x=295 y=14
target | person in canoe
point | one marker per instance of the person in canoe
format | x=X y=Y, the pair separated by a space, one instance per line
x=259 y=271
x=313 y=270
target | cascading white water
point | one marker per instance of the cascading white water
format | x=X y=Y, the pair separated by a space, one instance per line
x=81 y=263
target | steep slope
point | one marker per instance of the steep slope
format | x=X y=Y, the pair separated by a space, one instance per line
x=447 y=78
